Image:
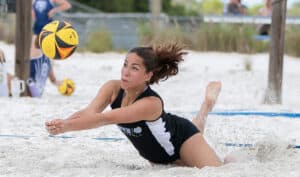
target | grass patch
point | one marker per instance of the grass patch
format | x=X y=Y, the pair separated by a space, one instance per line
x=292 y=41
x=7 y=28
x=172 y=33
x=99 y=41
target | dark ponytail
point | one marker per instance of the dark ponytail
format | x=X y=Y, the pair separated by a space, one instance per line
x=162 y=59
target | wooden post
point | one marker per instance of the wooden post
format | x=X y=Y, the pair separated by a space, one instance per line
x=155 y=12
x=273 y=94
x=23 y=40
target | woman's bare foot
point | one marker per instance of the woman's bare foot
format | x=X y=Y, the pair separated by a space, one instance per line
x=211 y=94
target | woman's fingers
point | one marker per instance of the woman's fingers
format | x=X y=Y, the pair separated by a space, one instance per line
x=54 y=126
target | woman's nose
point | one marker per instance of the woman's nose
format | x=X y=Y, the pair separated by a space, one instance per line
x=125 y=71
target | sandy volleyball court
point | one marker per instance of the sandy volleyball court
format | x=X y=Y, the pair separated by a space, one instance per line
x=27 y=150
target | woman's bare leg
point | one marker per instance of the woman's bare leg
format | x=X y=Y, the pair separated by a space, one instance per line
x=9 y=78
x=195 y=152
x=211 y=94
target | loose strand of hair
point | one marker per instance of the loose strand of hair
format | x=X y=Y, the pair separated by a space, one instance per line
x=168 y=56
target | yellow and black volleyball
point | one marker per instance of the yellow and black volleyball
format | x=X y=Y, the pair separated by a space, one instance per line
x=58 y=40
x=67 y=87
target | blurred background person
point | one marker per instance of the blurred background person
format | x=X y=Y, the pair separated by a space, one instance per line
x=265 y=11
x=243 y=8
x=40 y=70
x=3 y=76
x=235 y=7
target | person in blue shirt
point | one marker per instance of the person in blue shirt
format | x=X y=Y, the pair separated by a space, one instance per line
x=40 y=70
x=138 y=110
x=40 y=66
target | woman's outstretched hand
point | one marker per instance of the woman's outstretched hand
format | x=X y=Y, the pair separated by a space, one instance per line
x=56 y=126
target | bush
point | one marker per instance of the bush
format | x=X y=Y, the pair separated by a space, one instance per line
x=208 y=37
x=7 y=29
x=99 y=41
x=148 y=36
x=212 y=7
x=228 y=38
x=145 y=33
x=292 y=41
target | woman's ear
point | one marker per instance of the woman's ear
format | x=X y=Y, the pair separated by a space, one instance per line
x=149 y=76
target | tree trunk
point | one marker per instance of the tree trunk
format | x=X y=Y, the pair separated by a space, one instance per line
x=23 y=40
x=155 y=12
x=273 y=94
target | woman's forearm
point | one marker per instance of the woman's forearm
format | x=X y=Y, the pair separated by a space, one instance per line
x=83 y=121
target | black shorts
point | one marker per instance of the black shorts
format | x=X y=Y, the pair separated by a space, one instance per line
x=160 y=141
x=181 y=130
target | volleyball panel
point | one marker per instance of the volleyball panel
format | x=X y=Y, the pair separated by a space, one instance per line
x=52 y=26
x=68 y=36
x=48 y=44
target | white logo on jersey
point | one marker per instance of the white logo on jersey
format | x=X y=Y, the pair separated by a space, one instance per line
x=135 y=132
x=41 y=6
x=45 y=70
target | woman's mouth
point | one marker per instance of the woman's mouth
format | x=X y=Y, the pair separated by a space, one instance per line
x=124 y=80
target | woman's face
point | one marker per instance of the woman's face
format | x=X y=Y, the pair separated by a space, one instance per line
x=134 y=72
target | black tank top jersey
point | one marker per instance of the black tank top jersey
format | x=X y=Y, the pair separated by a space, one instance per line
x=158 y=141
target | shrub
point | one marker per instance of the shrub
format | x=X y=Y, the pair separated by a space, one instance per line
x=292 y=41
x=171 y=33
x=7 y=29
x=99 y=41
x=146 y=34
x=228 y=38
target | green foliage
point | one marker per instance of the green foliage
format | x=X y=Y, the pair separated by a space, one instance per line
x=99 y=41
x=173 y=9
x=166 y=5
x=141 y=6
x=176 y=9
x=111 y=5
x=228 y=38
x=292 y=41
x=208 y=37
x=7 y=28
x=137 y=6
x=181 y=10
x=145 y=32
x=148 y=36
x=254 y=10
x=212 y=7
x=294 y=10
